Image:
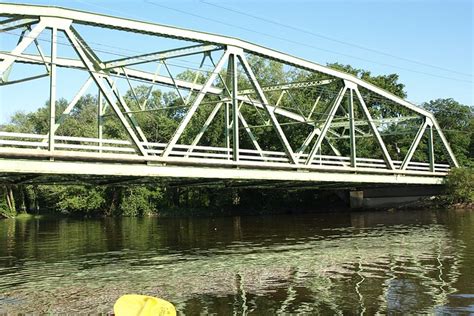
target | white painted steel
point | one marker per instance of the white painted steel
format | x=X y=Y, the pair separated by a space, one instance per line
x=61 y=19
x=94 y=19
x=169 y=171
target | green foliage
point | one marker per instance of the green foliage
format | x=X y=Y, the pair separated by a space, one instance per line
x=5 y=211
x=457 y=123
x=387 y=82
x=139 y=200
x=460 y=185
x=79 y=199
x=7 y=202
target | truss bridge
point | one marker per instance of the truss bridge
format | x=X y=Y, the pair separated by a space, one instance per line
x=114 y=98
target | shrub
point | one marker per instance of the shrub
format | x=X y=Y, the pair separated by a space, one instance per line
x=460 y=185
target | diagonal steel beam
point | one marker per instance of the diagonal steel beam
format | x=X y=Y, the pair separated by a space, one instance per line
x=196 y=77
x=327 y=123
x=89 y=64
x=87 y=50
x=132 y=89
x=10 y=82
x=8 y=71
x=150 y=90
x=307 y=141
x=295 y=103
x=251 y=135
x=10 y=20
x=97 y=62
x=205 y=126
x=414 y=145
x=280 y=97
x=158 y=56
x=314 y=107
x=386 y=155
x=70 y=106
x=309 y=138
x=293 y=116
x=185 y=121
x=445 y=143
x=224 y=81
x=16 y=23
x=174 y=82
x=40 y=51
x=274 y=120
x=125 y=107
x=26 y=41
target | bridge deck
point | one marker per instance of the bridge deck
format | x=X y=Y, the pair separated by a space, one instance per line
x=116 y=158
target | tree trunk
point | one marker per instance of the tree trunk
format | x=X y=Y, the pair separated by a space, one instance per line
x=10 y=200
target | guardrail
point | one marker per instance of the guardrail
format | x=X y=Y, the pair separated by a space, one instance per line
x=18 y=142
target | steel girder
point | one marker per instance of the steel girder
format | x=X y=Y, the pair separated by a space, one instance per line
x=229 y=98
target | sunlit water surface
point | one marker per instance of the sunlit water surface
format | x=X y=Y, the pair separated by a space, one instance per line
x=359 y=263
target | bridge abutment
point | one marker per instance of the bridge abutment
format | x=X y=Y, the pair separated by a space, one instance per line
x=392 y=196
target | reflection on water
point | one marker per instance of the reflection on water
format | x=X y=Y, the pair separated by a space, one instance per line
x=418 y=261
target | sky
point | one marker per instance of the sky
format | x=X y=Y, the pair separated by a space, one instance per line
x=428 y=43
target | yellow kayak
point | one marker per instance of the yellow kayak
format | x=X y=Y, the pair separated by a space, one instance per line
x=142 y=305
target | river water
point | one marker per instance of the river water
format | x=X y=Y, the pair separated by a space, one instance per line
x=344 y=263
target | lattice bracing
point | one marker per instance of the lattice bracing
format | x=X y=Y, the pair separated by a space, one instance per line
x=186 y=99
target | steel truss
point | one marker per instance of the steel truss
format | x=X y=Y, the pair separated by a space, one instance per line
x=137 y=156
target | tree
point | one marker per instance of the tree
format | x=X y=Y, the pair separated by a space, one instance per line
x=387 y=82
x=460 y=185
x=457 y=123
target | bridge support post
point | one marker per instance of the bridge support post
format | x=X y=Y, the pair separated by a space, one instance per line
x=352 y=130
x=235 y=106
x=52 y=88
x=100 y=118
x=227 y=127
x=356 y=199
x=431 y=148
x=393 y=196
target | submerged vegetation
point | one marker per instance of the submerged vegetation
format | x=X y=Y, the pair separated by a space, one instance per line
x=456 y=120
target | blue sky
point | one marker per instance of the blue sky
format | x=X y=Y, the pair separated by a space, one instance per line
x=428 y=43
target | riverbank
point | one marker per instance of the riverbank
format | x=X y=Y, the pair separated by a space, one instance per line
x=146 y=200
x=432 y=204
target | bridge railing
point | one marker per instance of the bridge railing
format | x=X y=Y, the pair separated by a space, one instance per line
x=16 y=143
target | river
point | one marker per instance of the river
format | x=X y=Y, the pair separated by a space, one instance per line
x=345 y=263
